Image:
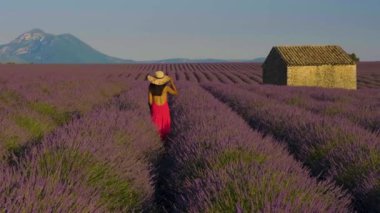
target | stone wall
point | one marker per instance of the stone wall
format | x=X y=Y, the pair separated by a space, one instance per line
x=331 y=76
x=274 y=72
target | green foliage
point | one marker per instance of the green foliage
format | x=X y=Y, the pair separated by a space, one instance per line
x=116 y=192
x=11 y=143
x=59 y=118
x=193 y=169
x=354 y=172
x=238 y=155
x=332 y=110
x=254 y=194
x=45 y=90
x=227 y=200
x=296 y=101
x=35 y=127
x=321 y=151
x=122 y=138
x=9 y=97
x=63 y=162
x=354 y=57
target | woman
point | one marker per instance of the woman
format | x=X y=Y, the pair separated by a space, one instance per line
x=160 y=86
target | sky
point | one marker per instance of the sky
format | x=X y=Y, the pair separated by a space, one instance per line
x=223 y=29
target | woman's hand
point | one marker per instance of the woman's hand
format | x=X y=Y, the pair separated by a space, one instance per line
x=170 y=82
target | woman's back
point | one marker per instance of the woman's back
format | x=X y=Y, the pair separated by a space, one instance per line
x=159 y=93
x=156 y=90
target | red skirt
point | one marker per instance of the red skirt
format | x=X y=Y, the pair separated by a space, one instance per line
x=161 y=118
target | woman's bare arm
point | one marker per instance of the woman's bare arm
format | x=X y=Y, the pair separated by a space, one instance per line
x=172 y=89
x=150 y=98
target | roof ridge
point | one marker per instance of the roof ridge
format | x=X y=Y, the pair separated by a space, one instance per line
x=313 y=54
x=310 y=45
x=280 y=54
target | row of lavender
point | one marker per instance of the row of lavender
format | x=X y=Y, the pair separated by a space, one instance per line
x=34 y=103
x=369 y=75
x=66 y=87
x=201 y=73
x=330 y=147
x=218 y=164
x=360 y=107
x=230 y=73
x=98 y=163
x=236 y=73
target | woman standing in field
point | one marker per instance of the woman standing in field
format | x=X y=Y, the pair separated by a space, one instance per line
x=160 y=86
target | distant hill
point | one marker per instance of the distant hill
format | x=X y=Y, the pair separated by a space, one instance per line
x=207 y=60
x=259 y=60
x=39 y=47
x=185 y=60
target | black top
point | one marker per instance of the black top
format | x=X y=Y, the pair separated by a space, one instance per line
x=156 y=90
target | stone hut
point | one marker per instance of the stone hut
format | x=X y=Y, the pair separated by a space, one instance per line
x=321 y=66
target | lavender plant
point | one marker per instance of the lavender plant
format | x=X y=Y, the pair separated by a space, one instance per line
x=360 y=107
x=33 y=104
x=331 y=148
x=108 y=153
x=218 y=164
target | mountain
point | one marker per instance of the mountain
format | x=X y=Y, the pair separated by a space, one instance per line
x=259 y=60
x=38 y=47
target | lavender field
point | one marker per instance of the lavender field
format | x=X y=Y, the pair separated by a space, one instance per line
x=78 y=138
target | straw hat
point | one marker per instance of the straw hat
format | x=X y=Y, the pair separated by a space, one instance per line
x=159 y=78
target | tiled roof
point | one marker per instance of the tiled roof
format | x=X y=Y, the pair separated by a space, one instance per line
x=314 y=55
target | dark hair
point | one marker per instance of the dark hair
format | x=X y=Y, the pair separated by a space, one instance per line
x=156 y=90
